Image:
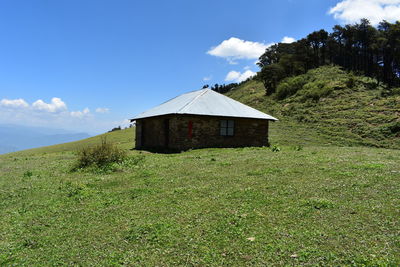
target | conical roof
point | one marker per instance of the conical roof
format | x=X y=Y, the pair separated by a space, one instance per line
x=205 y=102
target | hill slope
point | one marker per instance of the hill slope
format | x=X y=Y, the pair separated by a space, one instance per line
x=329 y=106
x=123 y=138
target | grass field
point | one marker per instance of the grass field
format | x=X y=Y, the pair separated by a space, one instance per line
x=319 y=205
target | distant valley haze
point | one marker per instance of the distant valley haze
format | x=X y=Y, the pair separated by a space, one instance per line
x=17 y=137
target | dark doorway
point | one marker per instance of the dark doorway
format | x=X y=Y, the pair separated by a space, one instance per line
x=166 y=133
x=142 y=134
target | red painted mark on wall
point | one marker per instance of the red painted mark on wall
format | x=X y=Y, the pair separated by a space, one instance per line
x=190 y=129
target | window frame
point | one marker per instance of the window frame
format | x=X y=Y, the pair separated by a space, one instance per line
x=227 y=128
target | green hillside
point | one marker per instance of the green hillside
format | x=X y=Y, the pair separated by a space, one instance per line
x=327 y=195
x=329 y=106
x=123 y=138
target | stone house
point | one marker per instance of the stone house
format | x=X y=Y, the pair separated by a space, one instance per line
x=198 y=119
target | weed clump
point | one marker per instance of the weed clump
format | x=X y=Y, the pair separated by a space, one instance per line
x=105 y=158
x=318 y=203
x=298 y=148
x=275 y=148
x=100 y=155
x=28 y=174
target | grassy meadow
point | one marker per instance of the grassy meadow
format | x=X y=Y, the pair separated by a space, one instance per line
x=308 y=205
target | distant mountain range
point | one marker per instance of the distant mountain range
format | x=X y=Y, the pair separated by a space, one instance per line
x=16 y=137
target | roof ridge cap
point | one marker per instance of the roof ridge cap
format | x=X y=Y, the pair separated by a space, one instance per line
x=194 y=99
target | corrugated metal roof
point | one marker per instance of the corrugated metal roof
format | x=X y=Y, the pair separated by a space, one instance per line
x=205 y=102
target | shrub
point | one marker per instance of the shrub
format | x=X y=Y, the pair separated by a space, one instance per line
x=396 y=91
x=318 y=203
x=351 y=81
x=275 y=148
x=316 y=90
x=28 y=174
x=284 y=90
x=297 y=148
x=115 y=129
x=100 y=155
x=290 y=86
x=395 y=127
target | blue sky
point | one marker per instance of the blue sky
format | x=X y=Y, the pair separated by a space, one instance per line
x=89 y=65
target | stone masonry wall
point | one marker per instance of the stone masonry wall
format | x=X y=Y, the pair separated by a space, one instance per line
x=205 y=132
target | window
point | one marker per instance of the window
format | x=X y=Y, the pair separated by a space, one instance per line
x=227 y=127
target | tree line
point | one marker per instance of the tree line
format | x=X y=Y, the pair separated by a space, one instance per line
x=223 y=88
x=360 y=47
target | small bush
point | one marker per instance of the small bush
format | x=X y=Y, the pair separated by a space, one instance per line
x=115 y=129
x=297 y=148
x=351 y=81
x=318 y=203
x=132 y=161
x=283 y=90
x=290 y=86
x=395 y=127
x=396 y=91
x=275 y=148
x=316 y=90
x=388 y=130
x=158 y=233
x=28 y=174
x=100 y=155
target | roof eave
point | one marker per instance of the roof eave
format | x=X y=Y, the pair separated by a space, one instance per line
x=242 y=117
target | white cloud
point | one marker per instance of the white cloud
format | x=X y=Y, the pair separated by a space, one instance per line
x=351 y=11
x=232 y=61
x=102 y=110
x=232 y=75
x=207 y=78
x=236 y=76
x=288 y=40
x=14 y=103
x=235 y=48
x=56 y=105
x=125 y=123
x=53 y=115
x=80 y=114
